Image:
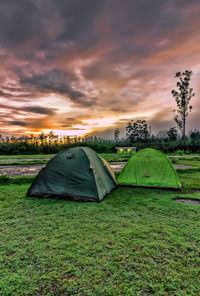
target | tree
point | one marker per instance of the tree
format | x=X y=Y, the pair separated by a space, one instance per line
x=195 y=135
x=137 y=131
x=182 y=97
x=162 y=135
x=116 y=134
x=172 y=134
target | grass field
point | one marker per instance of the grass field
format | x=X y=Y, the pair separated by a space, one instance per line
x=23 y=162
x=135 y=242
x=24 y=156
x=21 y=159
x=110 y=157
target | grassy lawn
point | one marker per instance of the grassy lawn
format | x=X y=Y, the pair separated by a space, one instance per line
x=42 y=158
x=24 y=156
x=195 y=161
x=23 y=162
x=110 y=157
x=20 y=159
x=135 y=242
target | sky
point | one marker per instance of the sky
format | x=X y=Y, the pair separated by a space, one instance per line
x=87 y=67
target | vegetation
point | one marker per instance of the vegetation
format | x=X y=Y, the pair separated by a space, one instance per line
x=137 y=131
x=5 y=180
x=172 y=134
x=193 y=162
x=138 y=135
x=25 y=156
x=23 y=162
x=116 y=135
x=183 y=97
x=51 y=145
x=135 y=242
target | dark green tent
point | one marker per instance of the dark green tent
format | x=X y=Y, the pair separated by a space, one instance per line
x=149 y=168
x=77 y=174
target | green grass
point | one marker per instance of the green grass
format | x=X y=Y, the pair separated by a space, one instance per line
x=135 y=242
x=107 y=156
x=112 y=157
x=22 y=162
x=194 y=162
x=21 y=156
x=5 y=180
x=183 y=153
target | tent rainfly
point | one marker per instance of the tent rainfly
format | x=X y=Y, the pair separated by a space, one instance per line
x=149 y=168
x=76 y=174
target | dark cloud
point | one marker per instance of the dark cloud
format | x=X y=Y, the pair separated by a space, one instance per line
x=38 y=110
x=77 y=15
x=18 y=21
x=54 y=80
x=15 y=122
x=102 y=56
x=30 y=109
x=57 y=81
x=69 y=123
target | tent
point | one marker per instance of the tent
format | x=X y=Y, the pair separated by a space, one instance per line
x=77 y=174
x=149 y=168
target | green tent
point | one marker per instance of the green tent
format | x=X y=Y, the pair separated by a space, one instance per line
x=77 y=174
x=149 y=168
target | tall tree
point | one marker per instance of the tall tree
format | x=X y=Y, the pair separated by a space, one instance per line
x=137 y=131
x=182 y=96
x=116 y=134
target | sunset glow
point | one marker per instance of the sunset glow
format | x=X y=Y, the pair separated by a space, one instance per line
x=89 y=67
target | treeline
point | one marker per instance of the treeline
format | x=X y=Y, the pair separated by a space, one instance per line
x=50 y=143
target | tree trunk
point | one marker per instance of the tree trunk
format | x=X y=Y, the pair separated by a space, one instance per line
x=184 y=128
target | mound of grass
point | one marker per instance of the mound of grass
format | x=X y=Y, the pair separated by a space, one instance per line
x=114 y=157
x=5 y=180
x=24 y=156
x=23 y=162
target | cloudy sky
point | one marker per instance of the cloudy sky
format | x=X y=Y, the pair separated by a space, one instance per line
x=88 y=66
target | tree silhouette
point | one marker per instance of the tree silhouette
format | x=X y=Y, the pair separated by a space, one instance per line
x=137 y=131
x=182 y=97
x=172 y=134
x=116 y=134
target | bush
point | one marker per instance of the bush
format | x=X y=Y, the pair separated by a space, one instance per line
x=4 y=179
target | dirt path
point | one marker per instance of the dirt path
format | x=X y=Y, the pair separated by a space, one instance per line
x=32 y=170
x=20 y=170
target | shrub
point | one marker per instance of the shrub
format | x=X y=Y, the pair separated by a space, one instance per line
x=4 y=179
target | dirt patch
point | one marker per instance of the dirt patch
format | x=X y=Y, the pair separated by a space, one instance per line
x=33 y=169
x=188 y=201
x=20 y=170
x=183 y=166
x=117 y=166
